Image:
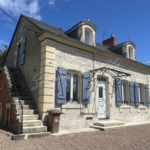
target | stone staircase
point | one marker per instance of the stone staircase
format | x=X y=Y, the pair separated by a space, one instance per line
x=106 y=125
x=32 y=125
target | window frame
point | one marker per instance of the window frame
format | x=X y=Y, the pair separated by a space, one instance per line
x=130 y=53
x=71 y=87
x=90 y=32
x=88 y=37
x=124 y=97
x=141 y=95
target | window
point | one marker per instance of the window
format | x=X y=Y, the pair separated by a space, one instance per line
x=140 y=95
x=87 y=37
x=72 y=87
x=124 y=93
x=100 y=92
x=130 y=53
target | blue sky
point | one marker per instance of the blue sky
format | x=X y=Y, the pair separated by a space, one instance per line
x=123 y=18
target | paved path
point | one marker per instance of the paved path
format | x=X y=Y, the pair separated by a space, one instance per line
x=135 y=138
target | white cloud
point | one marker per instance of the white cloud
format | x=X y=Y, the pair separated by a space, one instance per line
x=51 y=2
x=17 y=7
x=6 y=18
x=3 y=42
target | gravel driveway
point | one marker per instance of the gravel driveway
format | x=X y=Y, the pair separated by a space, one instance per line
x=133 y=138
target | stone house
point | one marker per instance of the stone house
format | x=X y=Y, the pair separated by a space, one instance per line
x=49 y=68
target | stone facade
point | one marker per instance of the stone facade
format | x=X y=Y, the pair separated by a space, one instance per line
x=76 y=115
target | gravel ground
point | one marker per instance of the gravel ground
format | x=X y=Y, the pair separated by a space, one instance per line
x=134 y=138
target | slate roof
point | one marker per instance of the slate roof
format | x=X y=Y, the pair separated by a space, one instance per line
x=59 y=31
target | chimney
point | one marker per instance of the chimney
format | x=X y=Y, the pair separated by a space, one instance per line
x=112 y=41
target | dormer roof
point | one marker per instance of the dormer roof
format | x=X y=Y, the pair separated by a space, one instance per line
x=81 y=23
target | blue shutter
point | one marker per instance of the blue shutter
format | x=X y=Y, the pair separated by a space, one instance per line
x=22 y=52
x=131 y=93
x=147 y=95
x=61 y=85
x=136 y=91
x=118 y=92
x=86 y=88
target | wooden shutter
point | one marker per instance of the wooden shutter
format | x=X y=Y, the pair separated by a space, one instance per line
x=86 y=88
x=136 y=91
x=118 y=92
x=61 y=85
x=147 y=95
x=22 y=52
x=131 y=93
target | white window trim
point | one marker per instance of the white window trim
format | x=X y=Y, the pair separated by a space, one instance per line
x=123 y=91
x=130 y=53
x=90 y=36
x=71 y=86
x=140 y=90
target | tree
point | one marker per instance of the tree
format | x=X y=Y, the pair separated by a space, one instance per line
x=3 y=54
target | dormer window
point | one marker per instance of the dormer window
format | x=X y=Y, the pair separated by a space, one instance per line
x=84 y=31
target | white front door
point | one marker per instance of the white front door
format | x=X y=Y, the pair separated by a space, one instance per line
x=101 y=99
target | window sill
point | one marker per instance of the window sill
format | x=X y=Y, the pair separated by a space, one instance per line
x=72 y=106
x=125 y=106
x=142 y=107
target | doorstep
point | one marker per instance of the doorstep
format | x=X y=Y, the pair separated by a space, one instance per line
x=74 y=131
x=109 y=128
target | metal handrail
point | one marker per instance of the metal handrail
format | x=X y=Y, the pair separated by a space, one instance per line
x=5 y=61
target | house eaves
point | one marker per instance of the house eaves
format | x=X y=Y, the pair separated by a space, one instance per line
x=45 y=34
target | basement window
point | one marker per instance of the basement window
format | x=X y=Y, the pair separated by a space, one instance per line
x=89 y=118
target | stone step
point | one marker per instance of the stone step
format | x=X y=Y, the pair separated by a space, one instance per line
x=29 y=123
x=106 y=123
x=23 y=102
x=19 y=90
x=18 y=82
x=34 y=129
x=26 y=106
x=22 y=97
x=29 y=117
x=31 y=135
x=20 y=94
x=26 y=111
x=116 y=127
x=20 y=85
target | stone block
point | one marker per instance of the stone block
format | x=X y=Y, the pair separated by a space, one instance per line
x=47 y=69
x=47 y=62
x=48 y=49
x=46 y=91
x=44 y=107
x=46 y=99
x=47 y=55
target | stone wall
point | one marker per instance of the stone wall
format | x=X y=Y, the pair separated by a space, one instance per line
x=76 y=115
